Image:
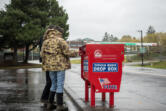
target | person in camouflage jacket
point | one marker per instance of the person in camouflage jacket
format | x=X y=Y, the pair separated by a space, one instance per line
x=55 y=55
x=55 y=52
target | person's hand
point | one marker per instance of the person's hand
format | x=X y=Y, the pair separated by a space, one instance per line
x=80 y=53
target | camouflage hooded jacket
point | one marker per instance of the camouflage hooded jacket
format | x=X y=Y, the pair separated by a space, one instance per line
x=55 y=52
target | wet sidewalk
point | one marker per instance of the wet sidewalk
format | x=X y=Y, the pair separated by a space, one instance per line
x=142 y=89
x=21 y=89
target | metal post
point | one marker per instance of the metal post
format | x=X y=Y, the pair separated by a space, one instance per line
x=23 y=53
x=92 y=96
x=32 y=54
x=142 y=54
x=103 y=96
x=111 y=99
x=86 y=91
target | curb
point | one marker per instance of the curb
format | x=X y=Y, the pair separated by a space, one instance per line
x=74 y=98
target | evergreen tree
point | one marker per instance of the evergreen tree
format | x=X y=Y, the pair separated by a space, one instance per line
x=113 y=39
x=151 y=30
x=24 y=22
x=109 y=38
x=106 y=37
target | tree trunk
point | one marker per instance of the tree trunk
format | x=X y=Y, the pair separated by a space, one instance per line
x=26 y=53
x=15 y=56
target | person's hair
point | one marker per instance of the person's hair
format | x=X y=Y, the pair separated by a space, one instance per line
x=55 y=27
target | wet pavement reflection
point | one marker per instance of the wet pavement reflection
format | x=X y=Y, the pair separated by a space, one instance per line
x=20 y=90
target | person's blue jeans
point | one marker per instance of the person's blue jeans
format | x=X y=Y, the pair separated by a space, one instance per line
x=57 y=80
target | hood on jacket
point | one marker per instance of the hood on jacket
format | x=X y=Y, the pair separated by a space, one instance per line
x=52 y=33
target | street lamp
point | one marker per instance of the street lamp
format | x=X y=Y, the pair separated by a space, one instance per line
x=142 y=50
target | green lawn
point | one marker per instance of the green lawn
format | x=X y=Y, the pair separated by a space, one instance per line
x=76 y=61
x=161 y=65
x=20 y=66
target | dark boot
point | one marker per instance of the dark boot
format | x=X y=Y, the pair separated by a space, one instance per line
x=51 y=104
x=60 y=105
x=45 y=102
x=46 y=91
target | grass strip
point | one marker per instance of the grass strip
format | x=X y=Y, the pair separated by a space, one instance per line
x=76 y=61
x=21 y=66
x=160 y=65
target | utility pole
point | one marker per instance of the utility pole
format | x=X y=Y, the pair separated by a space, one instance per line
x=142 y=48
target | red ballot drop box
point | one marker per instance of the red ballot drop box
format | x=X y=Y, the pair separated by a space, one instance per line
x=101 y=69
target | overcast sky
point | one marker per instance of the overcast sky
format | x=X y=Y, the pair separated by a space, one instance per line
x=92 y=18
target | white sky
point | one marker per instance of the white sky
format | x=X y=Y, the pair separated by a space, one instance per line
x=92 y=18
x=2 y=3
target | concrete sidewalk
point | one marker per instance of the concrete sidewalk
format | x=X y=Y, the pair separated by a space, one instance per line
x=126 y=100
